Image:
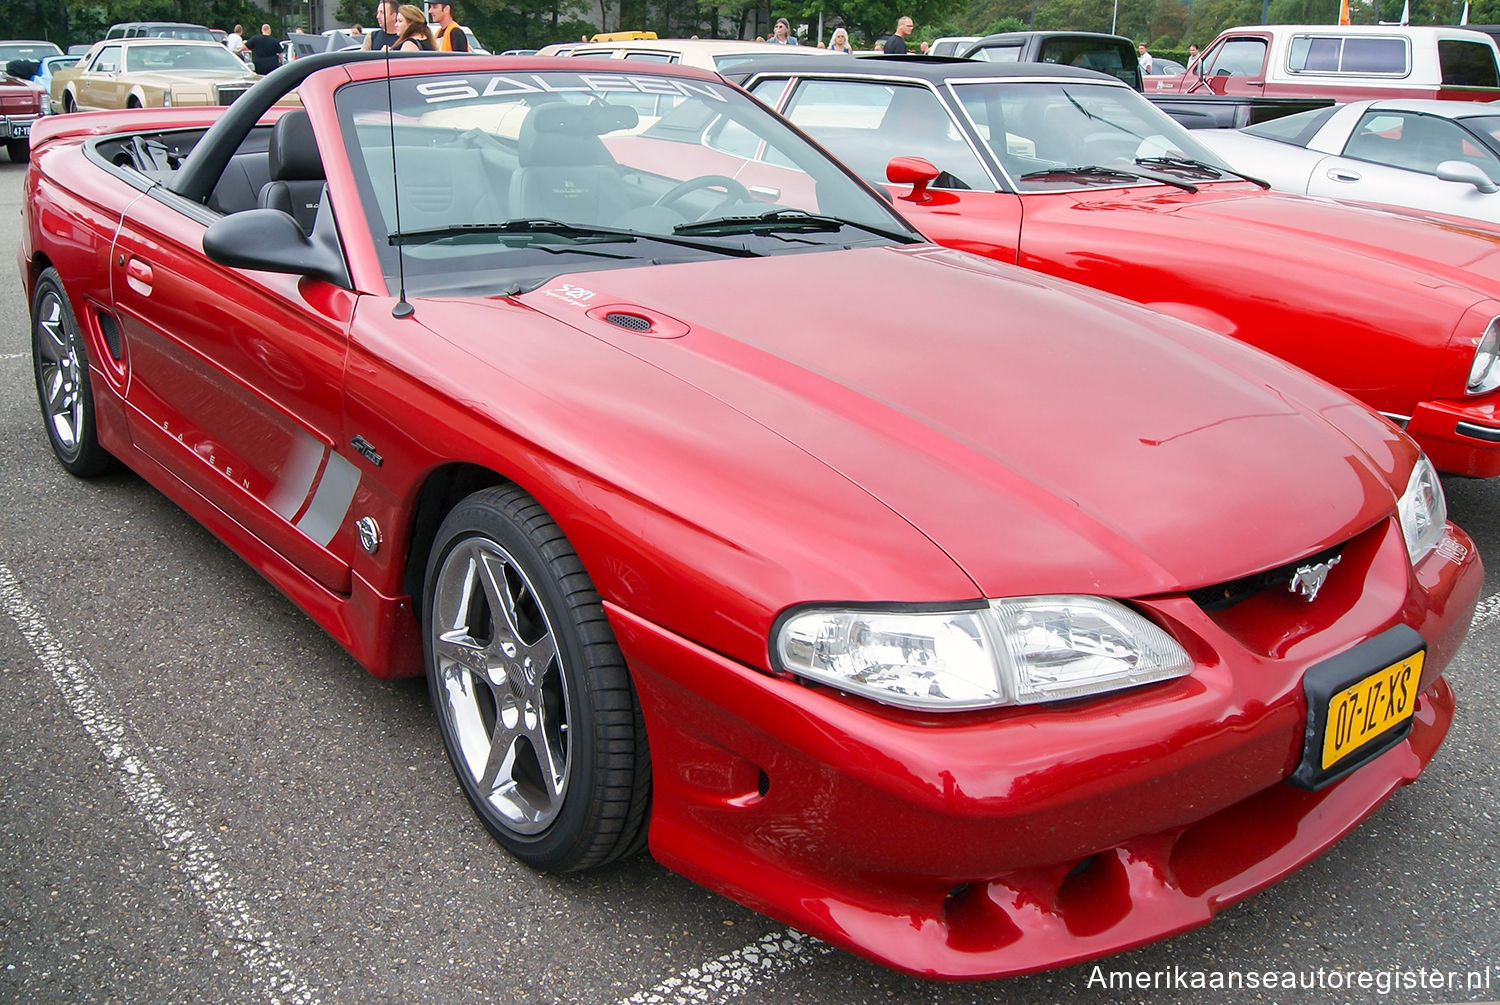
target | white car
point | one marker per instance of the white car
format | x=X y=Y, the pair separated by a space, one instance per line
x=1438 y=156
x=705 y=53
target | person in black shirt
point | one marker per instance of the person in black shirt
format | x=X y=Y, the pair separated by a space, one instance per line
x=384 y=37
x=265 y=51
x=896 y=44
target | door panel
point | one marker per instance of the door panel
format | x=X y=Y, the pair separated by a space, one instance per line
x=236 y=385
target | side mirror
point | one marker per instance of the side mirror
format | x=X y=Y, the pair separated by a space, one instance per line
x=918 y=172
x=1466 y=173
x=271 y=241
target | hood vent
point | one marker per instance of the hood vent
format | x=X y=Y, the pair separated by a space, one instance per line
x=634 y=322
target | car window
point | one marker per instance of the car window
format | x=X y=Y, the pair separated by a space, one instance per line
x=1297 y=129
x=998 y=54
x=107 y=60
x=157 y=58
x=1416 y=143
x=866 y=123
x=1384 y=56
x=1467 y=64
x=1047 y=128
x=37 y=51
x=1236 y=57
x=652 y=57
x=482 y=157
x=1116 y=59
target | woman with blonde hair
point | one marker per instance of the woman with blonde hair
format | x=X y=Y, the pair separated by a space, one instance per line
x=840 y=41
x=412 y=33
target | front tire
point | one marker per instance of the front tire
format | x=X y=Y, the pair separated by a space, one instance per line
x=19 y=150
x=532 y=697
x=61 y=366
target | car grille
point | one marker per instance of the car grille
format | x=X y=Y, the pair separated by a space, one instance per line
x=1222 y=595
x=228 y=92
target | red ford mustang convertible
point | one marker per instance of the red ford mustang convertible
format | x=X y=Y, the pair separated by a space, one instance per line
x=1074 y=174
x=998 y=625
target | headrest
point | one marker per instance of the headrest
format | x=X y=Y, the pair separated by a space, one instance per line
x=294 y=152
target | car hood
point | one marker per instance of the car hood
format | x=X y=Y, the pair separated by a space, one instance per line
x=190 y=78
x=1445 y=255
x=1042 y=435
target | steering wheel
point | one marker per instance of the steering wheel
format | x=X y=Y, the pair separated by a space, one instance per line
x=675 y=194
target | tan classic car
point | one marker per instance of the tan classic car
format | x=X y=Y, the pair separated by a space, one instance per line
x=151 y=73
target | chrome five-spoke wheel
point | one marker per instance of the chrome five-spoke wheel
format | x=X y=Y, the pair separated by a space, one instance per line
x=501 y=685
x=62 y=379
x=531 y=693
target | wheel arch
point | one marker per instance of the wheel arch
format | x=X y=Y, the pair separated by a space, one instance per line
x=444 y=488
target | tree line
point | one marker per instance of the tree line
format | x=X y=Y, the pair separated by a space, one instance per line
x=504 y=24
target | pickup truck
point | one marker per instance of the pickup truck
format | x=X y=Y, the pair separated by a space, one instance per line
x=1116 y=56
x=1345 y=63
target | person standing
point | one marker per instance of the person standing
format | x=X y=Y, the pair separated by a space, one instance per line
x=265 y=51
x=382 y=37
x=1143 y=57
x=840 y=41
x=450 y=36
x=781 y=34
x=412 y=33
x=235 y=40
x=1192 y=57
x=895 y=45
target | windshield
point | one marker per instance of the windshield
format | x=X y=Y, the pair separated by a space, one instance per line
x=506 y=180
x=1038 y=130
x=27 y=50
x=169 y=56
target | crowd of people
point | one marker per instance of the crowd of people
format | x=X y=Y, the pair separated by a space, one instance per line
x=895 y=42
x=402 y=27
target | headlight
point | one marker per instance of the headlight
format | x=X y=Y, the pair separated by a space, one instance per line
x=1015 y=651
x=1484 y=372
x=1423 y=510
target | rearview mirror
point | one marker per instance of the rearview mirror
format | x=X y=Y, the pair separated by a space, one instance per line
x=1466 y=173
x=918 y=172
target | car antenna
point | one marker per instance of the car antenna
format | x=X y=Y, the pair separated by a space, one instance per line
x=403 y=308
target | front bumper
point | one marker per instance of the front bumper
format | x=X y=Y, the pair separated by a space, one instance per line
x=985 y=844
x=1460 y=438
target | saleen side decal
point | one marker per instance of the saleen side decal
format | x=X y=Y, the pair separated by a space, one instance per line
x=330 y=503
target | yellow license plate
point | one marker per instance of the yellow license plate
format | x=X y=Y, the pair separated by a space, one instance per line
x=1369 y=707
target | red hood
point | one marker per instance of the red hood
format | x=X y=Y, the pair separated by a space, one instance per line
x=1042 y=435
x=1440 y=253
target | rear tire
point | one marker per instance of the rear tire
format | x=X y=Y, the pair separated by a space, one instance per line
x=64 y=391
x=531 y=693
x=19 y=150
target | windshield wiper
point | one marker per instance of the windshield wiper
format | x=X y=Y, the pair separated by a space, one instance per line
x=1167 y=163
x=783 y=220
x=1099 y=171
x=556 y=228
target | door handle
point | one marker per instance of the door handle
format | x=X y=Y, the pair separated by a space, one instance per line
x=138 y=276
x=1342 y=174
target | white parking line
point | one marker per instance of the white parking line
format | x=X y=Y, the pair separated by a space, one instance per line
x=252 y=940
x=1485 y=610
x=14 y=355
x=736 y=973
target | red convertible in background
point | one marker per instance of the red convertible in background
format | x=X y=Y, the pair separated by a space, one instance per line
x=1070 y=173
x=999 y=626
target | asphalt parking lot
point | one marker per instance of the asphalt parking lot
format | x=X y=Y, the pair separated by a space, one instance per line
x=206 y=800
